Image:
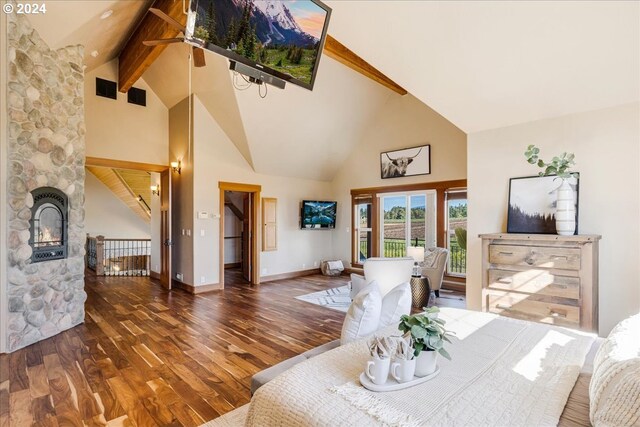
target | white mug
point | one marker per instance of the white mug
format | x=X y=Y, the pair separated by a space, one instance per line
x=403 y=370
x=378 y=370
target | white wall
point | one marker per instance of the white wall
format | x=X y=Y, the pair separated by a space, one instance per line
x=232 y=228
x=606 y=144
x=123 y=131
x=403 y=122
x=217 y=159
x=107 y=215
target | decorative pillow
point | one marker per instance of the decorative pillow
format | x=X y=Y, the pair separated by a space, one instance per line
x=614 y=392
x=357 y=283
x=394 y=304
x=363 y=316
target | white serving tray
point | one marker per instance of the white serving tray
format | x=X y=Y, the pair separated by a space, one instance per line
x=392 y=384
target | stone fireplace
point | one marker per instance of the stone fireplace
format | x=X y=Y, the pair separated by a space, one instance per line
x=48 y=224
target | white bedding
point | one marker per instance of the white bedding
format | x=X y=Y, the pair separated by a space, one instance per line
x=504 y=372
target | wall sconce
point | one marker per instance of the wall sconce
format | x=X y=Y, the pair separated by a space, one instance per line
x=176 y=166
x=155 y=190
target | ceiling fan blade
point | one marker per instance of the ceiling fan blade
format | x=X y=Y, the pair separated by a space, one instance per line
x=169 y=20
x=161 y=41
x=198 y=57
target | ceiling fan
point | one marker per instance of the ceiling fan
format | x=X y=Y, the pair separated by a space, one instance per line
x=198 y=53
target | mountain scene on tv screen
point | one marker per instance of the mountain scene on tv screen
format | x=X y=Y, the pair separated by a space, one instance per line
x=282 y=35
x=319 y=213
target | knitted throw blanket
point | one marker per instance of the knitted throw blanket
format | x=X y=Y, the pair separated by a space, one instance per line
x=504 y=372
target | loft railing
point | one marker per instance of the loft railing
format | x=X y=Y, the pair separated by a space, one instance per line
x=118 y=257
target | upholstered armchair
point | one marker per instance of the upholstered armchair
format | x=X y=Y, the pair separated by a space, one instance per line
x=433 y=266
x=388 y=272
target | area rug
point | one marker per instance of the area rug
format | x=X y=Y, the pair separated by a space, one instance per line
x=334 y=298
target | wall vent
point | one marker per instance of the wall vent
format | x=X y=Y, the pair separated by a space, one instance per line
x=106 y=88
x=137 y=96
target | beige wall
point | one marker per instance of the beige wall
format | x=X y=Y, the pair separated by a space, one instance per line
x=403 y=122
x=107 y=215
x=217 y=159
x=606 y=145
x=181 y=192
x=123 y=131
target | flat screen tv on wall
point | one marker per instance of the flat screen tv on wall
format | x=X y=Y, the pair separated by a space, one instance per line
x=318 y=215
x=282 y=38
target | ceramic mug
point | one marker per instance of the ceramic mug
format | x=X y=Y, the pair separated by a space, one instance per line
x=378 y=370
x=403 y=370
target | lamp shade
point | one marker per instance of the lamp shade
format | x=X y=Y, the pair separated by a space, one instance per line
x=416 y=252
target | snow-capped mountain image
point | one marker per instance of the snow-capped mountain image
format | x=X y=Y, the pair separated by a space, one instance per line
x=281 y=34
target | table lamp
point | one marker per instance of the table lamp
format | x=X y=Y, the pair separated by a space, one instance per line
x=417 y=253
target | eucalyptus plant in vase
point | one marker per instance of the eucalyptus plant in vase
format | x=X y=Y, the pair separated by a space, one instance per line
x=559 y=166
x=428 y=334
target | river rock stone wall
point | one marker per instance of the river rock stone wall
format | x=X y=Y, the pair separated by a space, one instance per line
x=46 y=147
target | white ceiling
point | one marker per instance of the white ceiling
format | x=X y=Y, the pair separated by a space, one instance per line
x=485 y=65
x=482 y=65
x=71 y=22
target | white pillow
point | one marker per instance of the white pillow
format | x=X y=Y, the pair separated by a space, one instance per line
x=394 y=304
x=357 y=284
x=363 y=316
x=614 y=391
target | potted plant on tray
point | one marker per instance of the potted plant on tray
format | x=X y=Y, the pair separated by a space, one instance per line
x=428 y=334
x=565 y=204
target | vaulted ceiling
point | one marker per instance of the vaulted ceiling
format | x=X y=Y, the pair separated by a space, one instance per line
x=481 y=65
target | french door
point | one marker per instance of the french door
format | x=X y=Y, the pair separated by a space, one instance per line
x=406 y=219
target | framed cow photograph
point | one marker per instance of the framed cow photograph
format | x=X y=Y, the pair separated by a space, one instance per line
x=406 y=162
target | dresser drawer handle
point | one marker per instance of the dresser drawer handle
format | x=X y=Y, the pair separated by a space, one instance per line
x=559 y=257
x=529 y=260
x=503 y=306
x=505 y=280
x=505 y=253
x=562 y=286
x=558 y=313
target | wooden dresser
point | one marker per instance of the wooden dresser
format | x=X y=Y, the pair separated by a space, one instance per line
x=542 y=277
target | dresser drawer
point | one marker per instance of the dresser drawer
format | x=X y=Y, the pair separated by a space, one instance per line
x=535 y=281
x=522 y=306
x=535 y=256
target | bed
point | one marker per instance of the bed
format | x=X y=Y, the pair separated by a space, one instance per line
x=504 y=372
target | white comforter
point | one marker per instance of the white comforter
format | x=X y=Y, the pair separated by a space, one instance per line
x=504 y=372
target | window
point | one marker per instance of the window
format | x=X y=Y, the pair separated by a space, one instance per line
x=457 y=232
x=363 y=230
x=407 y=219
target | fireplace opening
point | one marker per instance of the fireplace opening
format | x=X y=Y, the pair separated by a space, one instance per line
x=48 y=224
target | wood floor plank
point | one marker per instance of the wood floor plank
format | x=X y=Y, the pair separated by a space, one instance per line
x=146 y=356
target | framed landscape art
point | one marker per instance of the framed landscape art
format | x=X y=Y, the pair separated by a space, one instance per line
x=406 y=162
x=532 y=204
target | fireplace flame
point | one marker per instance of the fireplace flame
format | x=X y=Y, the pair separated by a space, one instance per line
x=47 y=237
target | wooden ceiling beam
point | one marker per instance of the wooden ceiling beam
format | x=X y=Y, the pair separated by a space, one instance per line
x=336 y=50
x=135 y=58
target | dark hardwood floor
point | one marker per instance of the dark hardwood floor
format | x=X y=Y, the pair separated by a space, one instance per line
x=146 y=356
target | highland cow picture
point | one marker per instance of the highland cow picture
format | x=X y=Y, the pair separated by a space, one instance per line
x=406 y=162
x=532 y=204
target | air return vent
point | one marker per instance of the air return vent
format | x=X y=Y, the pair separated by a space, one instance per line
x=106 y=88
x=137 y=96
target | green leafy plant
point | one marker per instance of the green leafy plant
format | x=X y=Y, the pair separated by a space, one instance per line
x=427 y=331
x=559 y=165
x=461 y=237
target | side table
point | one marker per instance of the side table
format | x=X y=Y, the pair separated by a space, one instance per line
x=420 y=291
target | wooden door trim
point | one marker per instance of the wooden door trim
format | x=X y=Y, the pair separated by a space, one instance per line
x=255 y=191
x=124 y=164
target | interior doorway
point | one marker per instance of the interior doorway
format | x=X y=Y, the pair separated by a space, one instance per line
x=239 y=257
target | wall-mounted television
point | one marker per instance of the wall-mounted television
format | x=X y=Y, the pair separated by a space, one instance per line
x=281 y=38
x=317 y=215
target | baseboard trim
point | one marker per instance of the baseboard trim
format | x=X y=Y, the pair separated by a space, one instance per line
x=233 y=265
x=290 y=275
x=195 y=290
x=154 y=275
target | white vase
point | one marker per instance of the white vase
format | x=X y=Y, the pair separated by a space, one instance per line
x=426 y=363
x=565 y=210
